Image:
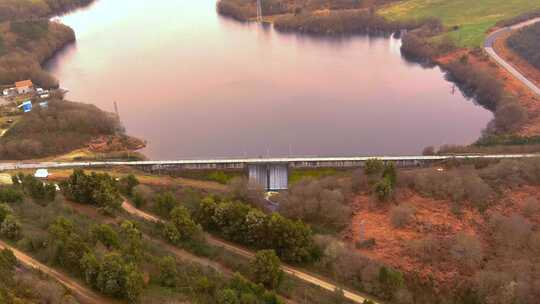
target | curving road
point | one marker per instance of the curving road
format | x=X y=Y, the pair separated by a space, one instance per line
x=488 y=46
x=302 y=275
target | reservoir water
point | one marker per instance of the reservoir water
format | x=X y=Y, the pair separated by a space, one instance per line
x=195 y=84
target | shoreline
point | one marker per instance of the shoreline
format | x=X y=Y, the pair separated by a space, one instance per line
x=43 y=50
x=426 y=53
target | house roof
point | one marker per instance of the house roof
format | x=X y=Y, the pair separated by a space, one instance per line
x=24 y=83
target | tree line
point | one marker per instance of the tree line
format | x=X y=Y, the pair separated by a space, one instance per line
x=244 y=224
x=26 y=9
x=525 y=42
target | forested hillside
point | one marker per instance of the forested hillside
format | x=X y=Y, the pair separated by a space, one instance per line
x=28 y=38
x=25 y=9
x=60 y=128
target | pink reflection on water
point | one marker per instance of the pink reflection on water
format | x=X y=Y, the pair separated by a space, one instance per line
x=195 y=84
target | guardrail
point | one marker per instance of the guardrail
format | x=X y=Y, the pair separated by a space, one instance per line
x=246 y=161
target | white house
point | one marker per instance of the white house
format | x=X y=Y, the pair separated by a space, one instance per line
x=24 y=87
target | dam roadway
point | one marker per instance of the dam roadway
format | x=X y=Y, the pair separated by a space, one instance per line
x=271 y=173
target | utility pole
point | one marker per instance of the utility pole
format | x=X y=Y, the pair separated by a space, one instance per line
x=259 y=11
x=116 y=110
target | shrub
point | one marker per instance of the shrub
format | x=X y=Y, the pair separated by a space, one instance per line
x=531 y=206
x=243 y=190
x=373 y=167
x=94 y=189
x=11 y=228
x=111 y=276
x=384 y=190
x=322 y=203
x=68 y=246
x=181 y=227
x=467 y=250
x=10 y=195
x=401 y=215
x=128 y=183
x=425 y=249
x=165 y=203
x=38 y=190
x=168 y=273
x=266 y=269
x=456 y=185
x=106 y=235
x=512 y=231
x=132 y=244
x=138 y=200
x=391 y=280
x=5 y=210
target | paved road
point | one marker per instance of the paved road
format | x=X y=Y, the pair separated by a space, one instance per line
x=488 y=46
x=84 y=295
x=248 y=254
x=212 y=163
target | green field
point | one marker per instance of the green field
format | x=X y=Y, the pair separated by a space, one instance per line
x=474 y=17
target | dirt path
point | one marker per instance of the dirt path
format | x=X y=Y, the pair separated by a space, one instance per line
x=301 y=274
x=83 y=294
x=179 y=253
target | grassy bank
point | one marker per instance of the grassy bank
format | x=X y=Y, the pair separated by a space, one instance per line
x=468 y=21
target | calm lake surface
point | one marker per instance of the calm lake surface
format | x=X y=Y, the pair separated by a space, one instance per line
x=194 y=85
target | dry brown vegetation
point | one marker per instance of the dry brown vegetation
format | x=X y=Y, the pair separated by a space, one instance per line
x=322 y=203
x=467 y=233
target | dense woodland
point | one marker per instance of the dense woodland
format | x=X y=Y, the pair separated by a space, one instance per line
x=315 y=16
x=28 y=38
x=61 y=127
x=488 y=91
x=525 y=42
x=29 y=9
